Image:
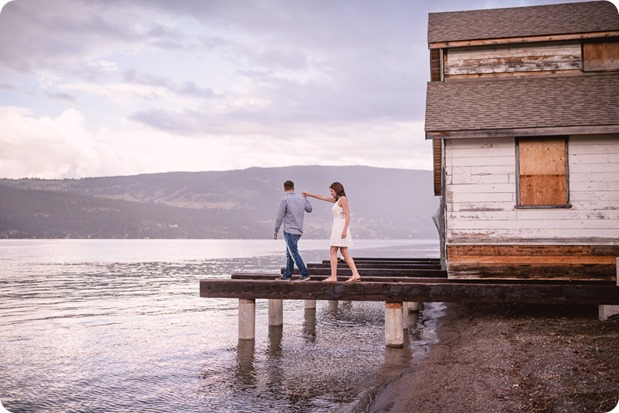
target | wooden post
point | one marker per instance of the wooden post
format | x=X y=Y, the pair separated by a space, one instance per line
x=333 y=305
x=276 y=312
x=606 y=311
x=309 y=304
x=247 y=319
x=413 y=306
x=394 y=332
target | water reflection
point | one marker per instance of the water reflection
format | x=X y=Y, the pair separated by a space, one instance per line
x=275 y=370
x=275 y=342
x=245 y=369
x=309 y=325
x=395 y=358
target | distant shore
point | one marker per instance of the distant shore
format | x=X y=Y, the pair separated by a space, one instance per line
x=511 y=358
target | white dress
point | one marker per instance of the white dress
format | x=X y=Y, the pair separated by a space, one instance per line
x=339 y=220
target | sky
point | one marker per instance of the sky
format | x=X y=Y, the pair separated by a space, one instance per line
x=124 y=87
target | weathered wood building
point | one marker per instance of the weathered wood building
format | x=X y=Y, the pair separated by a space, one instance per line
x=523 y=112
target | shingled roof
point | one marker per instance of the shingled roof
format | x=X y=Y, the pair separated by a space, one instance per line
x=554 y=19
x=529 y=103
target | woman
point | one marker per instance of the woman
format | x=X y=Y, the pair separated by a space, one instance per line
x=340 y=233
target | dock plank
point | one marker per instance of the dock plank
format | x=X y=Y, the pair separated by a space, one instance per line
x=271 y=277
x=388 y=265
x=375 y=272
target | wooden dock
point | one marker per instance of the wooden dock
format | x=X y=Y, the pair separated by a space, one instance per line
x=398 y=281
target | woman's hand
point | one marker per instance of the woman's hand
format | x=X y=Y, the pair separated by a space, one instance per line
x=344 y=235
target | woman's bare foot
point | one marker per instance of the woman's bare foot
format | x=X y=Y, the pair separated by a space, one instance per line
x=353 y=279
x=331 y=279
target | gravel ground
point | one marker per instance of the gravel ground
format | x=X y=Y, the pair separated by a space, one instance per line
x=512 y=358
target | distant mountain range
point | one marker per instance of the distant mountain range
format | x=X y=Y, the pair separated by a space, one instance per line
x=385 y=203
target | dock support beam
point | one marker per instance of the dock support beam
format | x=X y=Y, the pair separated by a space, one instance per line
x=310 y=304
x=606 y=311
x=276 y=312
x=247 y=319
x=394 y=330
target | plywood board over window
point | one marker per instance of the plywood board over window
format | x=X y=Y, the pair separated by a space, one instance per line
x=601 y=55
x=542 y=172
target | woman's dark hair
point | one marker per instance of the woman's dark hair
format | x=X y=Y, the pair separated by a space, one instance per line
x=339 y=189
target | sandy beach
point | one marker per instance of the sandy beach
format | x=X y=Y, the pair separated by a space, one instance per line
x=512 y=358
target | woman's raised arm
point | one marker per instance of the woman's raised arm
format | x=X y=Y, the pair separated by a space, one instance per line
x=322 y=198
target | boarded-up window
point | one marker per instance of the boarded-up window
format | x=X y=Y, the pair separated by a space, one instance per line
x=601 y=55
x=542 y=165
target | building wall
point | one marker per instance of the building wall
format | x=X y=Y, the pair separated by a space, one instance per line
x=480 y=193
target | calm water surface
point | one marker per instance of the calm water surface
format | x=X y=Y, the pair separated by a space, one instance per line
x=118 y=326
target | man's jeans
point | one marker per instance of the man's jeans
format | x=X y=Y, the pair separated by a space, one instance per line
x=292 y=255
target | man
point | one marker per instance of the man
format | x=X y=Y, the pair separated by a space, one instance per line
x=291 y=212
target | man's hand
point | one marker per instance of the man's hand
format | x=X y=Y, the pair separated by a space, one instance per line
x=275 y=235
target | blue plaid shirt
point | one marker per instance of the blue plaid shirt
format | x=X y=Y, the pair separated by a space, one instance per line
x=290 y=212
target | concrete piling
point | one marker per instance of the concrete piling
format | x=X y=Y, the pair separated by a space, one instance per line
x=394 y=331
x=276 y=312
x=247 y=319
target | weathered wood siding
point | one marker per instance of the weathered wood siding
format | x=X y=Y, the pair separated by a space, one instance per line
x=480 y=180
x=505 y=59
x=437 y=154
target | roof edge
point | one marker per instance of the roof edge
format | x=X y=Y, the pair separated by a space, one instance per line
x=523 y=132
x=524 y=39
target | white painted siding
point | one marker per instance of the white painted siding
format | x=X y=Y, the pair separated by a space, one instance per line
x=481 y=194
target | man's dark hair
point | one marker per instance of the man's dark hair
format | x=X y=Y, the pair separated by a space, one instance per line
x=288 y=185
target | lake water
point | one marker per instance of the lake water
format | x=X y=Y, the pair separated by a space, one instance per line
x=118 y=326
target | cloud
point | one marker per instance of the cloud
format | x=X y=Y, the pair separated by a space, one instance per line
x=54 y=147
x=64 y=147
x=39 y=34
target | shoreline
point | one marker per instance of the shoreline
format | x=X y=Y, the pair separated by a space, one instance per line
x=509 y=358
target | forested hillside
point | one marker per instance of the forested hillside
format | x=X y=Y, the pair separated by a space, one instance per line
x=385 y=203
